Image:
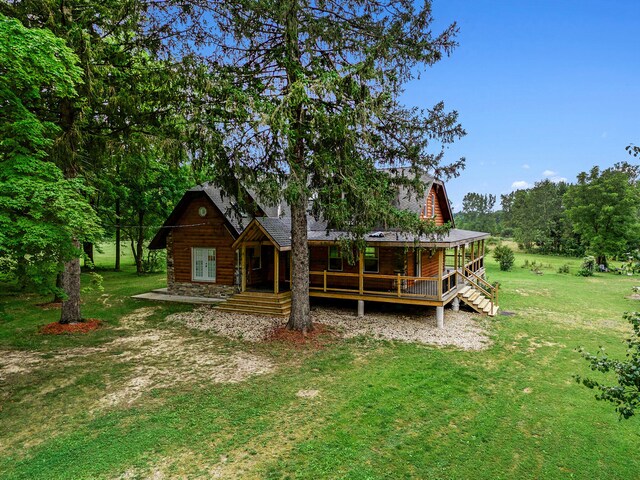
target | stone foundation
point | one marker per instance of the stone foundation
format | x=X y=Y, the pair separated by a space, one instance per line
x=201 y=289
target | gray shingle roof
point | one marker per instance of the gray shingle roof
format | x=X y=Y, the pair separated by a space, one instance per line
x=454 y=237
x=226 y=204
x=278 y=229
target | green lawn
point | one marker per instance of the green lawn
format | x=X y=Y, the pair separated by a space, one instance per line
x=385 y=409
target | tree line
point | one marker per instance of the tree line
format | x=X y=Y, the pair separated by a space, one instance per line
x=111 y=109
x=598 y=214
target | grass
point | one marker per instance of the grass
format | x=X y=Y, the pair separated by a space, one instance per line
x=385 y=409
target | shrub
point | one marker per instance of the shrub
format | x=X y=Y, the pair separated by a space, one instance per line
x=587 y=267
x=505 y=257
x=564 y=268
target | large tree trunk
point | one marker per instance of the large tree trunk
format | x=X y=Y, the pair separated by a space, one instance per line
x=300 y=318
x=140 y=245
x=88 y=250
x=70 y=312
x=118 y=234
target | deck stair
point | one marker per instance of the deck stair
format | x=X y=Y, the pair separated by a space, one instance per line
x=477 y=300
x=259 y=303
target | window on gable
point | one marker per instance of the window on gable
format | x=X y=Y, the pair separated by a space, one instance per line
x=204 y=264
x=335 y=259
x=371 y=260
x=433 y=205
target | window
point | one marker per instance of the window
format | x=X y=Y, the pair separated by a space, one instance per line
x=433 y=205
x=204 y=264
x=256 y=258
x=371 y=260
x=335 y=259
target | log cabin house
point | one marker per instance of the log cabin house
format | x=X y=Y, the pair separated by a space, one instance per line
x=212 y=251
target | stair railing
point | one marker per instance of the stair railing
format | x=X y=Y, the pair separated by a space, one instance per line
x=489 y=290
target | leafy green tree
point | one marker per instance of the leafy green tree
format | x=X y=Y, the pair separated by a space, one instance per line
x=42 y=214
x=505 y=257
x=133 y=87
x=477 y=213
x=603 y=208
x=536 y=216
x=311 y=102
x=625 y=394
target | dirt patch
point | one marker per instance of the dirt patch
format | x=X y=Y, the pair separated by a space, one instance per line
x=307 y=393
x=318 y=338
x=137 y=317
x=18 y=361
x=634 y=296
x=57 y=328
x=165 y=359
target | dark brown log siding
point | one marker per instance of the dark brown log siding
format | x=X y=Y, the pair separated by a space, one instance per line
x=212 y=235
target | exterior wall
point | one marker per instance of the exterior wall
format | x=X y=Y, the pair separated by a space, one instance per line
x=212 y=235
x=430 y=263
x=439 y=217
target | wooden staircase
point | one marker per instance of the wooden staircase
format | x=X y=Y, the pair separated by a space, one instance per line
x=259 y=303
x=477 y=300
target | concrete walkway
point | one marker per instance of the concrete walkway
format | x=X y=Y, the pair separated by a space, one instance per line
x=161 y=295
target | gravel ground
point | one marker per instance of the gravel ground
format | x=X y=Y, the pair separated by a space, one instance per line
x=462 y=329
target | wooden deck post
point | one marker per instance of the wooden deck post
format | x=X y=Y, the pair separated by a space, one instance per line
x=276 y=270
x=399 y=286
x=361 y=273
x=456 y=262
x=440 y=268
x=243 y=266
x=325 y=280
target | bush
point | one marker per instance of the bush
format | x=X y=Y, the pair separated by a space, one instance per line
x=564 y=268
x=505 y=257
x=588 y=266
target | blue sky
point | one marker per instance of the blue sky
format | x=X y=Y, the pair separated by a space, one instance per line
x=543 y=88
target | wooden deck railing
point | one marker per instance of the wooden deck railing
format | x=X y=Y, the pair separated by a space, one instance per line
x=487 y=289
x=401 y=286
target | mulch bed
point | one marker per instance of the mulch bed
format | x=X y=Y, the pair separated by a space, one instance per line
x=318 y=338
x=55 y=328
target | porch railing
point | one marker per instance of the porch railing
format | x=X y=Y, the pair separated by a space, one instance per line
x=400 y=286
x=487 y=289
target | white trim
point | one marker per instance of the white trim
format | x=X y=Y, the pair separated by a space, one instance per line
x=209 y=271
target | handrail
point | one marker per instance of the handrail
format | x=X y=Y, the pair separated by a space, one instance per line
x=493 y=296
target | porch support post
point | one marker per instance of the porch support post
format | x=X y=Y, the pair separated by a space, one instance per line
x=455 y=304
x=440 y=268
x=456 y=262
x=361 y=308
x=440 y=317
x=361 y=279
x=243 y=268
x=276 y=270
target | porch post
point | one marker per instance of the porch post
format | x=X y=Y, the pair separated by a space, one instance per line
x=276 y=270
x=243 y=269
x=440 y=268
x=361 y=274
x=456 y=263
x=440 y=317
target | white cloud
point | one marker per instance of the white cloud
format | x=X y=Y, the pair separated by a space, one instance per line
x=556 y=179
x=549 y=173
x=526 y=166
x=519 y=185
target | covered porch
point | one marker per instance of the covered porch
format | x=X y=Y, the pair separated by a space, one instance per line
x=427 y=275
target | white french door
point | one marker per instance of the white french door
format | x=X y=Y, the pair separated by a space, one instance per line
x=204 y=264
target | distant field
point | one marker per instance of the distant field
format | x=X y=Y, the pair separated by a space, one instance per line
x=81 y=406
